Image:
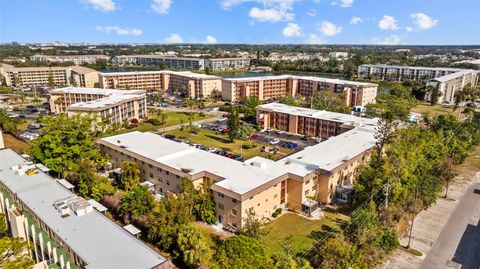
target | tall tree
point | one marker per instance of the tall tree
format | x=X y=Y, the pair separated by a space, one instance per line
x=327 y=100
x=233 y=123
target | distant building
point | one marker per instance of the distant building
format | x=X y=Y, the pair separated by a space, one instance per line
x=447 y=80
x=182 y=63
x=273 y=87
x=64 y=230
x=75 y=59
x=115 y=105
x=338 y=55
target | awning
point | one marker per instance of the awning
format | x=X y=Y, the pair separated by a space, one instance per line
x=99 y=207
x=66 y=184
x=132 y=229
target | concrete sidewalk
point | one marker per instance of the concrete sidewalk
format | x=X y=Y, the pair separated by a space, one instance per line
x=428 y=226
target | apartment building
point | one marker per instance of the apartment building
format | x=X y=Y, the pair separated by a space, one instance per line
x=448 y=80
x=449 y=84
x=194 y=85
x=298 y=182
x=75 y=59
x=273 y=87
x=116 y=105
x=34 y=76
x=219 y=64
x=141 y=80
x=84 y=77
x=64 y=230
x=182 y=63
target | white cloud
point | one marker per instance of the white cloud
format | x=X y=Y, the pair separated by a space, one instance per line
x=210 y=40
x=312 y=12
x=161 y=6
x=173 y=39
x=291 y=30
x=102 y=5
x=270 y=11
x=343 y=3
x=313 y=39
x=228 y=4
x=409 y=29
x=356 y=20
x=423 y=21
x=388 y=40
x=119 y=30
x=270 y=15
x=329 y=29
x=388 y=23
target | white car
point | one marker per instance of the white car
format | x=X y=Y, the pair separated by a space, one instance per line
x=222 y=119
x=281 y=132
x=274 y=141
x=211 y=150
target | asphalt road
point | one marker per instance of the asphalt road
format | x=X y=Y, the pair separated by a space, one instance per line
x=458 y=245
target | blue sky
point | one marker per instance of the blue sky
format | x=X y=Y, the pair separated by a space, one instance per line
x=406 y=22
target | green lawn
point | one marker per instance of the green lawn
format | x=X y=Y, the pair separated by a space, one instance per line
x=212 y=139
x=426 y=108
x=299 y=229
x=173 y=118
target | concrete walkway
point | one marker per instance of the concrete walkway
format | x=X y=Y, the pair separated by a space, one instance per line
x=428 y=226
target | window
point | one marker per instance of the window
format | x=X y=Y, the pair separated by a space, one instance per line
x=251 y=197
x=234 y=200
x=168 y=182
x=168 y=173
x=258 y=204
x=275 y=196
x=220 y=206
x=308 y=181
x=234 y=212
x=275 y=185
x=314 y=188
x=151 y=175
x=306 y=192
x=149 y=165
x=221 y=195
x=178 y=176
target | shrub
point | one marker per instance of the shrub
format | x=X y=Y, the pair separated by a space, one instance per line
x=249 y=145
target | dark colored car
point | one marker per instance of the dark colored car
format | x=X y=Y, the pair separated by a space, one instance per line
x=291 y=145
x=169 y=136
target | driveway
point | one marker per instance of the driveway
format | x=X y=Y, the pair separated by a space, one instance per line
x=458 y=245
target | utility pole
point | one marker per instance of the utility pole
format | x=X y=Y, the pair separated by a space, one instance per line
x=413 y=217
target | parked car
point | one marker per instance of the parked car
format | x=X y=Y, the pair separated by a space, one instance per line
x=291 y=145
x=281 y=132
x=169 y=136
x=254 y=136
x=211 y=150
x=274 y=141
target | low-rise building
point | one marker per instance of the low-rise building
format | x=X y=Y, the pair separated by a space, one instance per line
x=297 y=182
x=64 y=230
x=115 y=105
x=84 y=77
x=447 y=80
x=182 y=63
x=192 y=84
x=35 y=76
x=272 y=87
x=75 y=59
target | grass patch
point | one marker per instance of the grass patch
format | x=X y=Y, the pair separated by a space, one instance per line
x=301 y=231
x=212 y=139
x=15 y=144
x=426 y=108
x=173 y=118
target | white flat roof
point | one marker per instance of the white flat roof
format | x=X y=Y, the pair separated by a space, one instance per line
x=96 y=239
x=454 y=75
x=98 y=91
x=242 y=177
x=102 y=102
x=413 y=67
